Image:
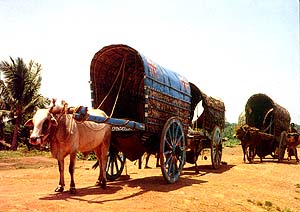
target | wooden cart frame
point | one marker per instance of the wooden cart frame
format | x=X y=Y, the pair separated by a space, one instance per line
x=149 y=107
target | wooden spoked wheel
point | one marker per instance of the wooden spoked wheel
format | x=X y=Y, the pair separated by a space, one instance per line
x=216 y=147
x=115 y=164
x=172 y=150
x=282 y=146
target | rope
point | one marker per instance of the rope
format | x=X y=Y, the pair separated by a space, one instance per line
x=122 y=67
x=121 y=83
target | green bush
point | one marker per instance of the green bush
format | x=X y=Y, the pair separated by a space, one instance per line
x=91 y=156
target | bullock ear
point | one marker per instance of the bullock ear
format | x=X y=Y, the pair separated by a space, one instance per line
x=29 y=123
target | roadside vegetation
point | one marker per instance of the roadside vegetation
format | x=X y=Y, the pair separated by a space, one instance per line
x=228 y=135
x=23 y=151
x=19 y=94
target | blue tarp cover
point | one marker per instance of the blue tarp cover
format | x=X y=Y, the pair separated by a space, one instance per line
x=166 y=81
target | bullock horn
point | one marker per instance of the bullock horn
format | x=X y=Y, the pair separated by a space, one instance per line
x=53 y=105
x=64 y=106
x=56 y=108
x=54 y=101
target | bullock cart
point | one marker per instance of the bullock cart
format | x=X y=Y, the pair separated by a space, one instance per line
x=206 y=132
x=264 y=128
x=149 y=107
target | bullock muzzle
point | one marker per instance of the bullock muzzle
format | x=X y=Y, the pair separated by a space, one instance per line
x=35 y=141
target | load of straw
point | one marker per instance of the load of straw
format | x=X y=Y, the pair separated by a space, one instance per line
x=213 y=113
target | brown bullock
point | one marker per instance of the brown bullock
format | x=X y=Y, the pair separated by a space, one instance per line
x=247 y=135
x=68 y=136
x=255 y=142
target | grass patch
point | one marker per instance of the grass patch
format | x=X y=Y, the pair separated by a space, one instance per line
x=287 y=210
x=22 y=152
x=268 y=206
x=18 y=159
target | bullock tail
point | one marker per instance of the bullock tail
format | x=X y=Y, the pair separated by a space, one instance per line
x=95 y=165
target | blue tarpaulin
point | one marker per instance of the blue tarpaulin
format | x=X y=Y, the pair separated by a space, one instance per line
x=166 y=81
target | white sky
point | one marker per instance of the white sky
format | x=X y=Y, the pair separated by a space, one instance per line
x=230 y=49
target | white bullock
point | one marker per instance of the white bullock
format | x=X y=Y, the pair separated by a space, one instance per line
x=68 y=136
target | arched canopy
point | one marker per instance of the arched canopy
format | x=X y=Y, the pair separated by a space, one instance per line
x=263 y=113
x=126 y=84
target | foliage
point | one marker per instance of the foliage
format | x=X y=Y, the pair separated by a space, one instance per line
x=297 y=126
x=229 y=130
x=19 y=93
x=91 y=156
x=228 y=135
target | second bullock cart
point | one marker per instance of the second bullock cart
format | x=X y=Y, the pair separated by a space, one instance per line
x=150 y=109
x=263 y=128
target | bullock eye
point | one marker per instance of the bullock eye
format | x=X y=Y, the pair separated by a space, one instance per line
x=46 y=125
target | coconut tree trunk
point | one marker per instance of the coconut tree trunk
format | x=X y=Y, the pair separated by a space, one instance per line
x=14 y=143
x=1 y=130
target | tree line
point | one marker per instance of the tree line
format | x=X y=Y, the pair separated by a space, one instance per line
x=20 y=85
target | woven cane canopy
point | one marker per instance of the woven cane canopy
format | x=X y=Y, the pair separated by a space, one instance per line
x=265 y=114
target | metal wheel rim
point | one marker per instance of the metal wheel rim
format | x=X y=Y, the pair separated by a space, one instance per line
x=172 y=150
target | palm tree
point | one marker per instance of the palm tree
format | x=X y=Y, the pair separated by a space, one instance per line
x=20 y=90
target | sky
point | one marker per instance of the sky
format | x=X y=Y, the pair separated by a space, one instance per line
x=230 y=49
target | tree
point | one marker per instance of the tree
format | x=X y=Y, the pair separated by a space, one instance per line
x=20 y=90
x=229 y=130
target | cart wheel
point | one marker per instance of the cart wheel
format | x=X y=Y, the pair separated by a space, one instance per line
x=250 y=153
x=216 y=147
x=115 y=164
x=282 y=146
x=172 y=150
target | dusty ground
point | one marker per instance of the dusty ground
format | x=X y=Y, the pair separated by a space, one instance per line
x=27 y=184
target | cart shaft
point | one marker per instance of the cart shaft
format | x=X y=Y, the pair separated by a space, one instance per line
x=82 y=115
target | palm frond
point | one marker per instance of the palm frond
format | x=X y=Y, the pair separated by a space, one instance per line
x=6 y=93
x=36 y=101
x=4 y=113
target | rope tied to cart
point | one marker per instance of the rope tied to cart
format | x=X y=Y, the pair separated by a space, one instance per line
x=122 y=69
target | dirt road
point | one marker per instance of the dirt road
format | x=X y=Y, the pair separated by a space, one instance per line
x=27 y=184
